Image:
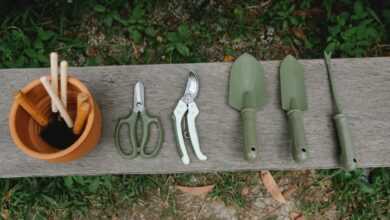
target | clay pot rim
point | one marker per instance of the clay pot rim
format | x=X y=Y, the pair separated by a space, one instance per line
x=50 y=156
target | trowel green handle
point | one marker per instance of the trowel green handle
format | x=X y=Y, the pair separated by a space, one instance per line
x=297 y=133
x=347 y=156
x=248 y=117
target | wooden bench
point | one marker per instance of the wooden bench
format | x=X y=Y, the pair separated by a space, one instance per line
x=363 y=84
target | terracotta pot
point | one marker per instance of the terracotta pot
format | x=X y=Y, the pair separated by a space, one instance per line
x=25 y=132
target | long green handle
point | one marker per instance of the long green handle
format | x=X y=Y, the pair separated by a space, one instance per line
x=248 y=117
x=347 y=156
x=297 y=133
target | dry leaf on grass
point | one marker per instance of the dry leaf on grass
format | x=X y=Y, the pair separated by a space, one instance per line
x=288 y=192
x=5 y=214
x=228 y=58
x=271 y=186
x=245 y=191
x=196 y=191
x=296 y=216
x=308 y=12
x=92 y=51
x=299 y=33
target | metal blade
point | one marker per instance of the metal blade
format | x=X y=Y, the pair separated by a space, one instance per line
x=292 y=84
x=327 y=58
x=192 y=86
x=138 y=105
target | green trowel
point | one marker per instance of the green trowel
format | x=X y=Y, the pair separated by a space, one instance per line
x=247 y=95
x=294 y=102
x=347 y=156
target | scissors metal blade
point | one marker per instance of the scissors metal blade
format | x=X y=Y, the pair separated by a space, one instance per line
x=192 y=86
x=138 y=104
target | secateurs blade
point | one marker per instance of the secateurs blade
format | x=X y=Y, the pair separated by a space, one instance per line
x=187 y=108
x=347 y=156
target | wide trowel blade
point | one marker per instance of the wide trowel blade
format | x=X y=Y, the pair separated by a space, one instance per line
x=247 y=80
x=292 y=84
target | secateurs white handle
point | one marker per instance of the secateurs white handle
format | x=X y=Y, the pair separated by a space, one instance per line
x=186 y=107
x=178 y=115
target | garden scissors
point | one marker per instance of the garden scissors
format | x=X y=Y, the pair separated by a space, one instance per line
x=139 y=118
x=186 y=110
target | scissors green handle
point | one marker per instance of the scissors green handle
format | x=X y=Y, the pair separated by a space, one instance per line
x=138 y=118
x=138 y=146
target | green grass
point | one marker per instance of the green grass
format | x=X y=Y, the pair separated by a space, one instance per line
x=355 y=195
x=227 y=186
x=73 y=196
x=140 y=32
x=37 y=198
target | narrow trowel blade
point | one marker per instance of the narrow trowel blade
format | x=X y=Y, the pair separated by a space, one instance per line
x=292 y=83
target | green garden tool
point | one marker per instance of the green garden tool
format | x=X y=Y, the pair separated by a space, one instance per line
x=247 y=95
x=347 y=156
x=137 y=120
x=294 y=102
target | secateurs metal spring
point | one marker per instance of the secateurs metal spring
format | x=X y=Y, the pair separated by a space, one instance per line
x=186 y=107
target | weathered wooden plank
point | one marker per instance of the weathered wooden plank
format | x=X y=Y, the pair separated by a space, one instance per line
x=363 y=84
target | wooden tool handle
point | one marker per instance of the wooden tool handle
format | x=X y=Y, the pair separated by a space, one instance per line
x=54 y=77
x=81 y=98
x=54 y=98
x=64 y=83
x=31 y=109
x=81 y=117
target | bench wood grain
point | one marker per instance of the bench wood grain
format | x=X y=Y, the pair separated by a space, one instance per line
x=363 y=85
